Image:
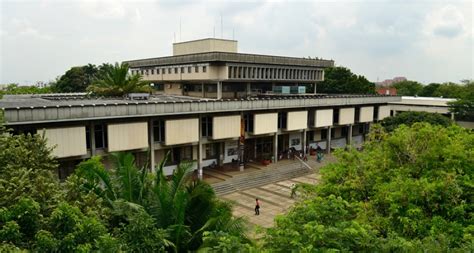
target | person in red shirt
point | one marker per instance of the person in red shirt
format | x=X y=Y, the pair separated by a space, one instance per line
x=257 y=207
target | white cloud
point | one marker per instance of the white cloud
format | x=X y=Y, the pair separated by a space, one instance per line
x=447 y=21
x=104 y=9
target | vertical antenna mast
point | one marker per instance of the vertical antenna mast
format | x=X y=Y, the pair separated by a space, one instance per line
x=222 y=27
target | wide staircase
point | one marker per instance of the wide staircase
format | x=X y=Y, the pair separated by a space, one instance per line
x=283 y=170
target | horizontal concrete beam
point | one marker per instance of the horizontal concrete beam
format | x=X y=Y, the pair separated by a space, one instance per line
x=65 y=113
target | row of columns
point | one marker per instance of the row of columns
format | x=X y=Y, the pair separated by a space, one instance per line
x=242 y=72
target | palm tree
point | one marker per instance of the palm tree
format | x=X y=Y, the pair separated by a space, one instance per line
x=116 y=81
x=183 y=207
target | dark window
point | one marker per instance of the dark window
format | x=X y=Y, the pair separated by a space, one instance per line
x=141 y=71
x=100 y=132
x=152 y=71
x=376 y=112
x=206 y=126
x=196 y=69
x=210 y=150
x=204 y=69
x=88 y=137
x=344 y=131
x=333 y=133
x=176 y=70
x=159 y=130
x=248 y=118
x=311 y=136
x=282 y=118
x=182 y=69
x=157 y=71
x=324 y=134
x=361 y=129
x=357 y=114
x=311 y=115
x=189 y=69
x=169 y=70
x=335 y=116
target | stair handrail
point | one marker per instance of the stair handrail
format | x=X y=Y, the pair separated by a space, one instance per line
x=303 y=162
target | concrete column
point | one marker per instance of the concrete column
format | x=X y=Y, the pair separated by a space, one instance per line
x=349 y=135
x=275 y=148
x=304 y=142
x=151 y=144
x=328 y=141
x=452 y=116
x=92 y=138
x=202 y=90
x=200 y=149
x=314 y=86
x=219 y=90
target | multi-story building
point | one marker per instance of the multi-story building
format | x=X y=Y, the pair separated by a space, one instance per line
x=238 y=114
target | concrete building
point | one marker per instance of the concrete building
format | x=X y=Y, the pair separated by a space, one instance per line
x=235 y=117
x=212 y=68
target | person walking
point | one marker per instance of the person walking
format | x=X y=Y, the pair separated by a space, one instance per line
x=293 y=191
x=257 y=207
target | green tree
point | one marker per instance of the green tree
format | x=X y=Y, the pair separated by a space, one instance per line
x=116 y=81
x=450 y=90
x=14 y=89
x=408 y=88
x=429 y=90
x=339 y=80
x=409 y=118
x=77 y=79
x=463 y=107
x=184 y=208
x=408 y=191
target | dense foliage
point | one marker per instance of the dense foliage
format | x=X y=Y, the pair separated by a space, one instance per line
x=14 y=89
x=77 y=79
x=122 y=209
x=339 y=80
x=409 y=118
x=408 y=191
x=117 y=81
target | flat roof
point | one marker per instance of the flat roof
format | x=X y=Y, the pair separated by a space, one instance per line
x=30 y=101
x=231 y=58
x=188 y=41
x=424 y=101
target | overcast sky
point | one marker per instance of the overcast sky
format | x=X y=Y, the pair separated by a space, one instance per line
x=426 y=41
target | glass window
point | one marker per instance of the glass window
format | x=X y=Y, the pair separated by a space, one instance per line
x=100 y=132
x=189 y=69
x=206 y=126
x=176 y=70
x=282 y=116
x=182 y=70
x=157 y=71
x=204 y=69
x=169 y=70
x=159 y=130
x=196 y=69
x=210 y=151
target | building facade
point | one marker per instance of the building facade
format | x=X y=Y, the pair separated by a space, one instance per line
x=250 y=120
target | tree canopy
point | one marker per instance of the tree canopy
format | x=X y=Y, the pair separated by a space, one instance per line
x=410 y=118
x=117 y=81
x=408 y=88
x=408 y=191
x=77 y=79
x=339 y=80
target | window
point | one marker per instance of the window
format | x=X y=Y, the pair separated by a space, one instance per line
x=100 y=132
x=152 y=71
x=282 y=116
x=176 y=70
x=141 y=71
x=357 y=114
x=196 y=69
x=204 y=69
x=311 y=136
x=324 y=134
x=335 y=116
x=88 y=137
x=248 y=119
x=182 y=70
x=376 y=112
x=169 y=70
x=206 y=126
x=344 y=131
x=189 y=69
x=210 y=151
x=159 y=130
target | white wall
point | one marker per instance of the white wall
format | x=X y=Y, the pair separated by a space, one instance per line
x=384 y=112
x=226 y=127
x=323 y=118
x=181 y=131
x=265 y=123
x=127 y=136
x=297 y=120
x=67 y=141
x=346 y=116
x=366 y=114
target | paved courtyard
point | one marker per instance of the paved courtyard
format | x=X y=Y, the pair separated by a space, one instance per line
x=274 y=199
